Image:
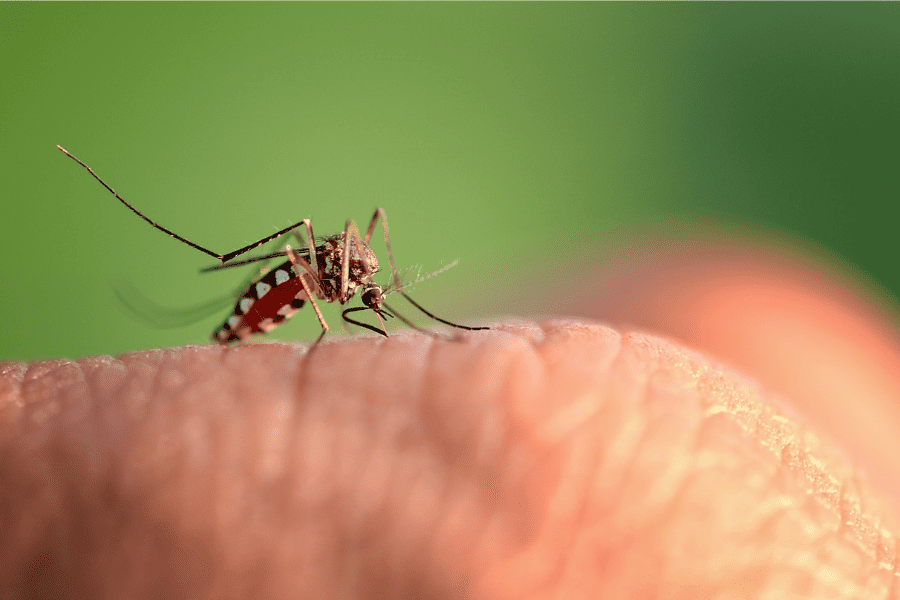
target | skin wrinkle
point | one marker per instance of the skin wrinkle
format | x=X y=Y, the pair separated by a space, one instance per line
x=145 y=452
x=756 y=304
x=491 y=444
x=134 y=497
x=458 y=513
x=894 y=590
x=813 y=481
x=41 y=390
x=640 y=401
x=567 y=419
x=619 y=521
x=12 y=376
x=624 y=429
x=798 y=449
x=666 y=385
x=581 y=463
x=536 y=568
x=479 y=483
x=410 y=470
x=778 y=516
x=148 y=475
x=304 y=505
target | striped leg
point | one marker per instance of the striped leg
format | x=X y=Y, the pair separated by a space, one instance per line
x=304 y=271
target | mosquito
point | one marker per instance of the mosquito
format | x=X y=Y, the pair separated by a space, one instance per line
x=335 y=269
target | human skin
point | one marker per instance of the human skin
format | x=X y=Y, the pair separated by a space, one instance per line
x=811 y=334
x=561 y=459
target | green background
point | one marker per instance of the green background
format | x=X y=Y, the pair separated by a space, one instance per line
x=504 y=135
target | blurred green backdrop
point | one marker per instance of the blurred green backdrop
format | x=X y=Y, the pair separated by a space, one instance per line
x=487 y=131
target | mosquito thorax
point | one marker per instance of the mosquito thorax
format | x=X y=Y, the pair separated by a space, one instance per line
x=362 y=265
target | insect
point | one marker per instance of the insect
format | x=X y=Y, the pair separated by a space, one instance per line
x=334 y=269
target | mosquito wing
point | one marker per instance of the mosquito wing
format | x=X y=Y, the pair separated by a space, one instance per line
x=165 y=317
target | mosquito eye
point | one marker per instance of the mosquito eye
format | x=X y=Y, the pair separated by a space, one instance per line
x=372 y=298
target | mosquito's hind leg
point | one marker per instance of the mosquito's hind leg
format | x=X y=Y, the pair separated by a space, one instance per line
x=224 y=258
x=259 y=271
x=235 y=253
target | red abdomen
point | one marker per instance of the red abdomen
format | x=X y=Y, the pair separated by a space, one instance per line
x=268 y=303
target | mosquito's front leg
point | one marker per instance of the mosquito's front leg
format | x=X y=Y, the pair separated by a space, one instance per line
x=382 y=331
x=302 y=269
x=351 y=239
x=379 y=212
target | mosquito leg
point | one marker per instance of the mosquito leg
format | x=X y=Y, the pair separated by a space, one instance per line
x=371 y=227
x=382 y=331
x=311 y=245
x=393 y=311
x=299 y=264
x=235 y=253
x=255 y=274
x=357 y=240
x=351 y=236
x=139 y=213
x=252 y=276
x=351 y=239
x=262 y=270
x=313 y=267
x=224 y=258
x=379 y=212
x=444 y=321
x=312 y=250
x=301 y=241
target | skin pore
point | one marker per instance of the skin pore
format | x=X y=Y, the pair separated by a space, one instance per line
x=562 y=459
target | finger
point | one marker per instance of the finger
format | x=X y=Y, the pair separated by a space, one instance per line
x=532 y=461
x=827 y=345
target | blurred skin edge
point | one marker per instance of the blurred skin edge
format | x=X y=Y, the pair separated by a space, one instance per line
x=762 y=301
x=565 y=456
x=626 y=253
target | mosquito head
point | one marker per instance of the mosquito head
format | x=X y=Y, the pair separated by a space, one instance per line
x=373 y=297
